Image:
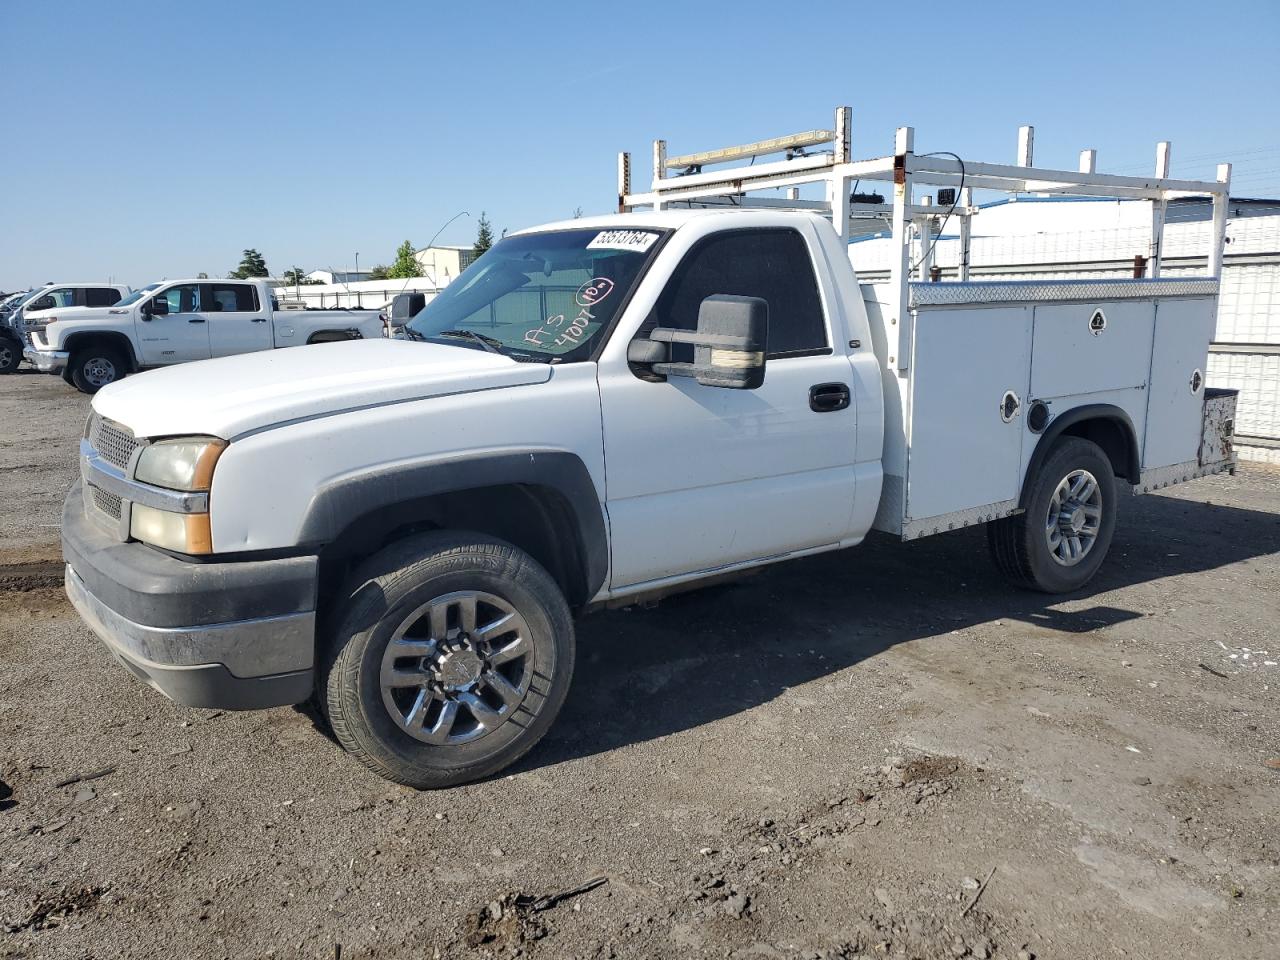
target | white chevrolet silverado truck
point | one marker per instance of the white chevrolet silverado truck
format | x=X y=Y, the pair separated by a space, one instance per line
x=24 y=311
x=607 y=410
x=177 y=321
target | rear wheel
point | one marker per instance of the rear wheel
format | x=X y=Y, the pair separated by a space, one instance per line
x=95 y=366
x=450 y=660
x=10 y=355
x=1059 y=543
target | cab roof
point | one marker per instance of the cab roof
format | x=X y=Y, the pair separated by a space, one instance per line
x=661 y=219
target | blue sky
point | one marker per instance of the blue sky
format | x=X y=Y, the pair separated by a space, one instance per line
x=145 y=140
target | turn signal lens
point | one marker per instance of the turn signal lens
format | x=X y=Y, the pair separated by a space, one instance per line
x=179 y=532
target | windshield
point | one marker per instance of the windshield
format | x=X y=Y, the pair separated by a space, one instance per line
x=544 y=297
x=136 y=295
x=26 y=298
x=9 y=303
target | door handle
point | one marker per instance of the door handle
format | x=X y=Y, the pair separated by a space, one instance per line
x=196 y=320
x=828 y=397
x=258 y=320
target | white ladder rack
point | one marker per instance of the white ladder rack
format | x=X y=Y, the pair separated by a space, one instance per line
x=684 y=180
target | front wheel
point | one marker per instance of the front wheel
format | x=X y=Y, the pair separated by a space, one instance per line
x=449 y=661
x=93 y=367
x=10 y=355
x=1060 y=541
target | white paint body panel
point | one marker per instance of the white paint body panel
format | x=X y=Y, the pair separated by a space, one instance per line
x=265 y=482
x=701 y=479
x=746 y=474
x=1070 y=360
x=1183 y=329
x=965 y=360
x=234 y=333
x=232 y=396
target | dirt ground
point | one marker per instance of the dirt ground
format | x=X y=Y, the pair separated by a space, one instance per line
x=836 y=758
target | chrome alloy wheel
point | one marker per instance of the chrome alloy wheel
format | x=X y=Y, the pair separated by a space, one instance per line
x=457 y=668
x=99 y=371
x=1074 y=518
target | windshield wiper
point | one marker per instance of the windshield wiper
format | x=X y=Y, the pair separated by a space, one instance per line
x=488 y=343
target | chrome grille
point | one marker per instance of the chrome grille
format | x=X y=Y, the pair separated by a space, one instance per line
x=108 y=503
x=114 y=444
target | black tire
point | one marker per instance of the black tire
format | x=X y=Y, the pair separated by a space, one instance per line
x=95 y=366
x=10 y=355
x=392 y=588
x=1020 y=545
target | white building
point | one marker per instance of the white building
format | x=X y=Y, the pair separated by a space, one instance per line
x=445 y=261
x=1034 y=238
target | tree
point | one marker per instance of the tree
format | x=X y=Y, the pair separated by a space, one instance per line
x=202 y=275
x=484 y=235
x=294 y=277
x=380 y=272
x=406 y=264
x=252 y=264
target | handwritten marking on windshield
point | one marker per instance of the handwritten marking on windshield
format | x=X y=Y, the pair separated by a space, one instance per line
x=593 y=291
x=587 y=296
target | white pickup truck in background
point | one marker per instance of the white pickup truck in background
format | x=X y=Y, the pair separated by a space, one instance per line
x=24 y=311
x=615 y=408
x=176 y=321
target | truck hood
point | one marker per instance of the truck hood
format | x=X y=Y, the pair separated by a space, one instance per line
x=230 y=396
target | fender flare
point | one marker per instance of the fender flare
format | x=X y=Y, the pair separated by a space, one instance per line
x=1058 y=425
x=114 y=337
x=337 y=504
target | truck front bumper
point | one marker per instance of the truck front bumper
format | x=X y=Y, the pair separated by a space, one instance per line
x=47 y=361
x=227 y=635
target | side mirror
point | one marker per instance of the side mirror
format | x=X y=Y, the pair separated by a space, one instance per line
x=156 y=307
x=728 y=346
x=645 y=353
x=42 y=303
x=405 y=307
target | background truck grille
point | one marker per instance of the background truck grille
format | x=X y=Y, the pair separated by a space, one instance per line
x=114 y=444
x=108 y=503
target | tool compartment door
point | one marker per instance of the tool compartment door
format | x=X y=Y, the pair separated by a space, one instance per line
x=1085 y=348
x=1182 y=333
x=963 y=452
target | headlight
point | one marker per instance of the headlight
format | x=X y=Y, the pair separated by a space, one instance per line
x=179 y=532
x=185 y=464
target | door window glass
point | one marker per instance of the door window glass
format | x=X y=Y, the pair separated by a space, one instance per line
x=771 y=264
x=62 y=297
x=182 y=299
x=234 y=298
x=101 y=297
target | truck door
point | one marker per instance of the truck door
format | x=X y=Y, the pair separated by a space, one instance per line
x=237 y=320
x=701 y=477
x=178 y=336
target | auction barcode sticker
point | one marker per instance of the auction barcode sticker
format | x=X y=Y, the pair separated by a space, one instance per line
x=638 y=240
